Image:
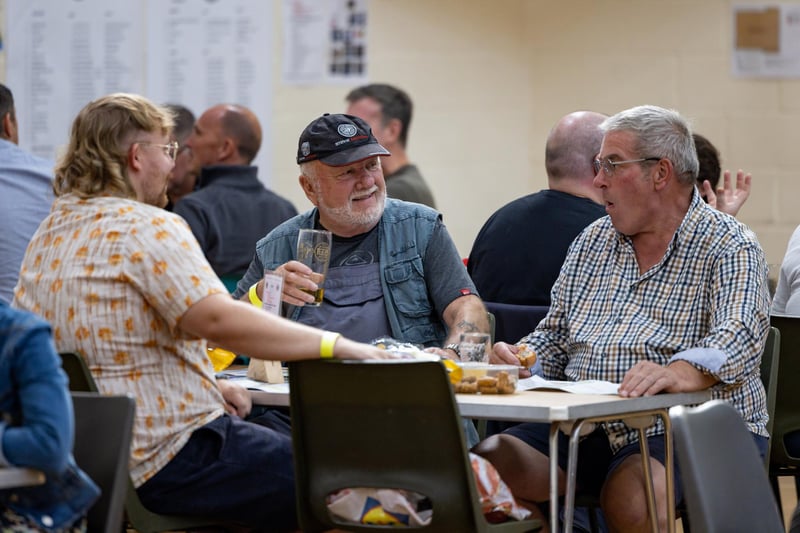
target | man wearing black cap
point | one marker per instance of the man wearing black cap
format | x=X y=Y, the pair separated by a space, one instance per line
x=394 y=270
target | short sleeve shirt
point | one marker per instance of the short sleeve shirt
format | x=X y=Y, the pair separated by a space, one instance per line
x=114 y=277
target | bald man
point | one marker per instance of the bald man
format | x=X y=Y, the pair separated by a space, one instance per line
x=231 y=209
x=518 y=253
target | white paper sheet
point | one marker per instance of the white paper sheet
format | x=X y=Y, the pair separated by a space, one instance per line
x=591 y=386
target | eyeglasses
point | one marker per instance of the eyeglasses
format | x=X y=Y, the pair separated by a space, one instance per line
x=609 y=166
x=170 y=150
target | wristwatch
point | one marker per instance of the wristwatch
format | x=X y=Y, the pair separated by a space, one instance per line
x=455 y=348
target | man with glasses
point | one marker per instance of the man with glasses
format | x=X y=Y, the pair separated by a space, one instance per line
x=665 y=294
x=231 y=209
x=125 y=284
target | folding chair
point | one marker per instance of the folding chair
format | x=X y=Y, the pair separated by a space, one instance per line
x=384 y=425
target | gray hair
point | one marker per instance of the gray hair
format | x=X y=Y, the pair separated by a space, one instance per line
x=659 y=132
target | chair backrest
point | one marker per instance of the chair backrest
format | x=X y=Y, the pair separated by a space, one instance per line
x=103 y=431
x=512 y=322
x=787 y=401
x=770 y=364
x=142 y=519
x=80 y=378
x=725 y=485
x=380 y=425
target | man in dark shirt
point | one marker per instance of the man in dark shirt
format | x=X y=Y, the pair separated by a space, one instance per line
x=231 y=209
x=518 y=253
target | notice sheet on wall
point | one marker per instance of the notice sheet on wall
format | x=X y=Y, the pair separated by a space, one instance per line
x=766 y=41
x=324 y=42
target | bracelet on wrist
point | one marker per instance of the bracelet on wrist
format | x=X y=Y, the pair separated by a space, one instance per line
x=253 y=295
x=329 y=338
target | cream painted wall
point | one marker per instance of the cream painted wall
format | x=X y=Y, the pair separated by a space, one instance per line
x=489 y=78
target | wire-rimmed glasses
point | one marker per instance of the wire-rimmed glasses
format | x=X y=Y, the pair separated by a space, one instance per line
x=609 y=166
x=170 y=150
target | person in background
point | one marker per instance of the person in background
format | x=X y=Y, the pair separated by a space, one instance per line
x=649 y=298
x=37 y=430
x=230 y=208
x=26 y=192
x=181 y=179
x=124 y=283
x=388 y=112
x=537 y=229
x=725 y=198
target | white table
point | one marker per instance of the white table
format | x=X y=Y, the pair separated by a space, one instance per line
x=570 y=412
x=12 y=476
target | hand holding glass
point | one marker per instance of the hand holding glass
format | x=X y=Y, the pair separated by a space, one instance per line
x=474 y=347
x=314 y=251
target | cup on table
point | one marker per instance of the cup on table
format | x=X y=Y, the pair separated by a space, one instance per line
x=314 y=251
x=474 y=347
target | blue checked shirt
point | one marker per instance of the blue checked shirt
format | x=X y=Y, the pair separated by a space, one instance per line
x=705 y=302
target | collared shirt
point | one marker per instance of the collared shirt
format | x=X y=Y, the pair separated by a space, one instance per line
x=114 y=277
x=706 y=302
x=26 y=192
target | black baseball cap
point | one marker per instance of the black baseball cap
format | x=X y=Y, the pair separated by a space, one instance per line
x=338 y=140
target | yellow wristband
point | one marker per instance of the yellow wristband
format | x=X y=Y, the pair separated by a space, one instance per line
x=253 y=294
x=326 y=344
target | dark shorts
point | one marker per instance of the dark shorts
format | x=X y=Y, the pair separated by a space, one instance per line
x=595 y=459
x=239 y=471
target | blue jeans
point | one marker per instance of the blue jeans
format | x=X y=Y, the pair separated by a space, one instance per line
x=239 y=471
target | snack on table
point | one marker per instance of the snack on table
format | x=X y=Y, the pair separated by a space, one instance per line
x=526 y=356
x=483 y=378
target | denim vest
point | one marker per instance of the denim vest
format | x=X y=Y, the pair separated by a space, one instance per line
x=67 y=493
x=404 y=231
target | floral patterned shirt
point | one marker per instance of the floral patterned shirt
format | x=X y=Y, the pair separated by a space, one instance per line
x=114 y=277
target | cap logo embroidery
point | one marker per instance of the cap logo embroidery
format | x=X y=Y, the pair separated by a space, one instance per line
x=305 y=148
x=346 y=130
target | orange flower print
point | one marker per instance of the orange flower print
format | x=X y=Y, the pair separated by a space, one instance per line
x=195 y=280
x=115 y=259
x=83 y=251
x=95 y=233
x=92 y=298
x=159 y=267
x=82 y=333
x=129 y=324
x=112 y=236
x=88 y=269
x=148 y=422
x=70 y=314
x=56 y=285
x=162 y=403
x=105 y=334
x=55 y=264
x=161 y=235
x=58 y=240
x=120 y=358
x=158 y=221
x=137 y=257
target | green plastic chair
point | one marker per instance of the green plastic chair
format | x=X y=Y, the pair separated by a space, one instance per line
x=140 y=518
x=787 y=404
x=389 y=424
